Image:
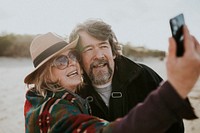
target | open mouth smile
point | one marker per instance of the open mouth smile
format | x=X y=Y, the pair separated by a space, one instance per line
x=72 y=73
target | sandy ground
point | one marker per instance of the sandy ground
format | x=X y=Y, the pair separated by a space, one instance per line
x=12 y=96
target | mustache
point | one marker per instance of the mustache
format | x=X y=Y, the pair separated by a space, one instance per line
x=97 y=62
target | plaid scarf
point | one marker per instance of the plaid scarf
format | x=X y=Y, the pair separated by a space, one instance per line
x=60 y=112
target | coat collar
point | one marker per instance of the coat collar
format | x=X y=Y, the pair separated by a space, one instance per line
x=126 y=69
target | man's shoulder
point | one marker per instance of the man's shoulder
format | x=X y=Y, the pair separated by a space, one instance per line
x=125 y=62
x=128 y=67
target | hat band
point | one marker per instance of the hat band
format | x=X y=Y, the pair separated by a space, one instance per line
x=51 y=50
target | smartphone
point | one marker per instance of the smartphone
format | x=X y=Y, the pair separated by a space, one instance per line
x=176 y=25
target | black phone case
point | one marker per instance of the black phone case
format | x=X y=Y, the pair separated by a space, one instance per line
x=176 y=25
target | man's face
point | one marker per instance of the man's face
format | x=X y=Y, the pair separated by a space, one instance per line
x=97 y=59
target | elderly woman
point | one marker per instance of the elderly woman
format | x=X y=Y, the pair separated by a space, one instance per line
x=52 y=105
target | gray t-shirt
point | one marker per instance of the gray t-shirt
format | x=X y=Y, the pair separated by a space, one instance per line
x=105 y=93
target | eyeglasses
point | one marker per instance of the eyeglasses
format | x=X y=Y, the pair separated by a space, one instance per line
x=62 y=62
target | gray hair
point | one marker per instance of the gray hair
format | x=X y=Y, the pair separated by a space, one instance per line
x=99 y=30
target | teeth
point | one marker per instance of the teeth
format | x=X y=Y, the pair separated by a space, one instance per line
x=100 y=65
x=73 y=73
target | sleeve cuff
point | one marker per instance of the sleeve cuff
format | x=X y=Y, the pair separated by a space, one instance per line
x=173 y=100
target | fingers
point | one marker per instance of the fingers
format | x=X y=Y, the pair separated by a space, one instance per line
x=188 y=41
x=172 y=48
x=196 y=43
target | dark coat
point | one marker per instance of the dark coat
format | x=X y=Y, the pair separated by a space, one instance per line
x=131 y=84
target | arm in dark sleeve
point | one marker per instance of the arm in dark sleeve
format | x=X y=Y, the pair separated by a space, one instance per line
x=159 y=110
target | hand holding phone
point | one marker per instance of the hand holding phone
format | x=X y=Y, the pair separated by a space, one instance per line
x=176 y=25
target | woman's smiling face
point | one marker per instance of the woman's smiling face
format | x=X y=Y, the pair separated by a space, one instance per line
x=66 y=69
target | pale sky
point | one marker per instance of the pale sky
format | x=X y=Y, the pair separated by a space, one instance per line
x=140 y=22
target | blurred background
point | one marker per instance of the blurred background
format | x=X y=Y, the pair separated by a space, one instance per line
x=137 y=22
x=141 y=26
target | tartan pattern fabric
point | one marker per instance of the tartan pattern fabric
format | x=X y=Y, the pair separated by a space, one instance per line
x=61 y=112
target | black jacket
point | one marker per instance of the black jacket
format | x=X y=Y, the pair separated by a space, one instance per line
x=131 y=84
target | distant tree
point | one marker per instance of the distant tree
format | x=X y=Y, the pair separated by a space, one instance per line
x=137 y=53
x=5 y=43
x=15 y=45
x=18 y=46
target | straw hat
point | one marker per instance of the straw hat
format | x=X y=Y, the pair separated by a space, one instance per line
x=44 y=47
